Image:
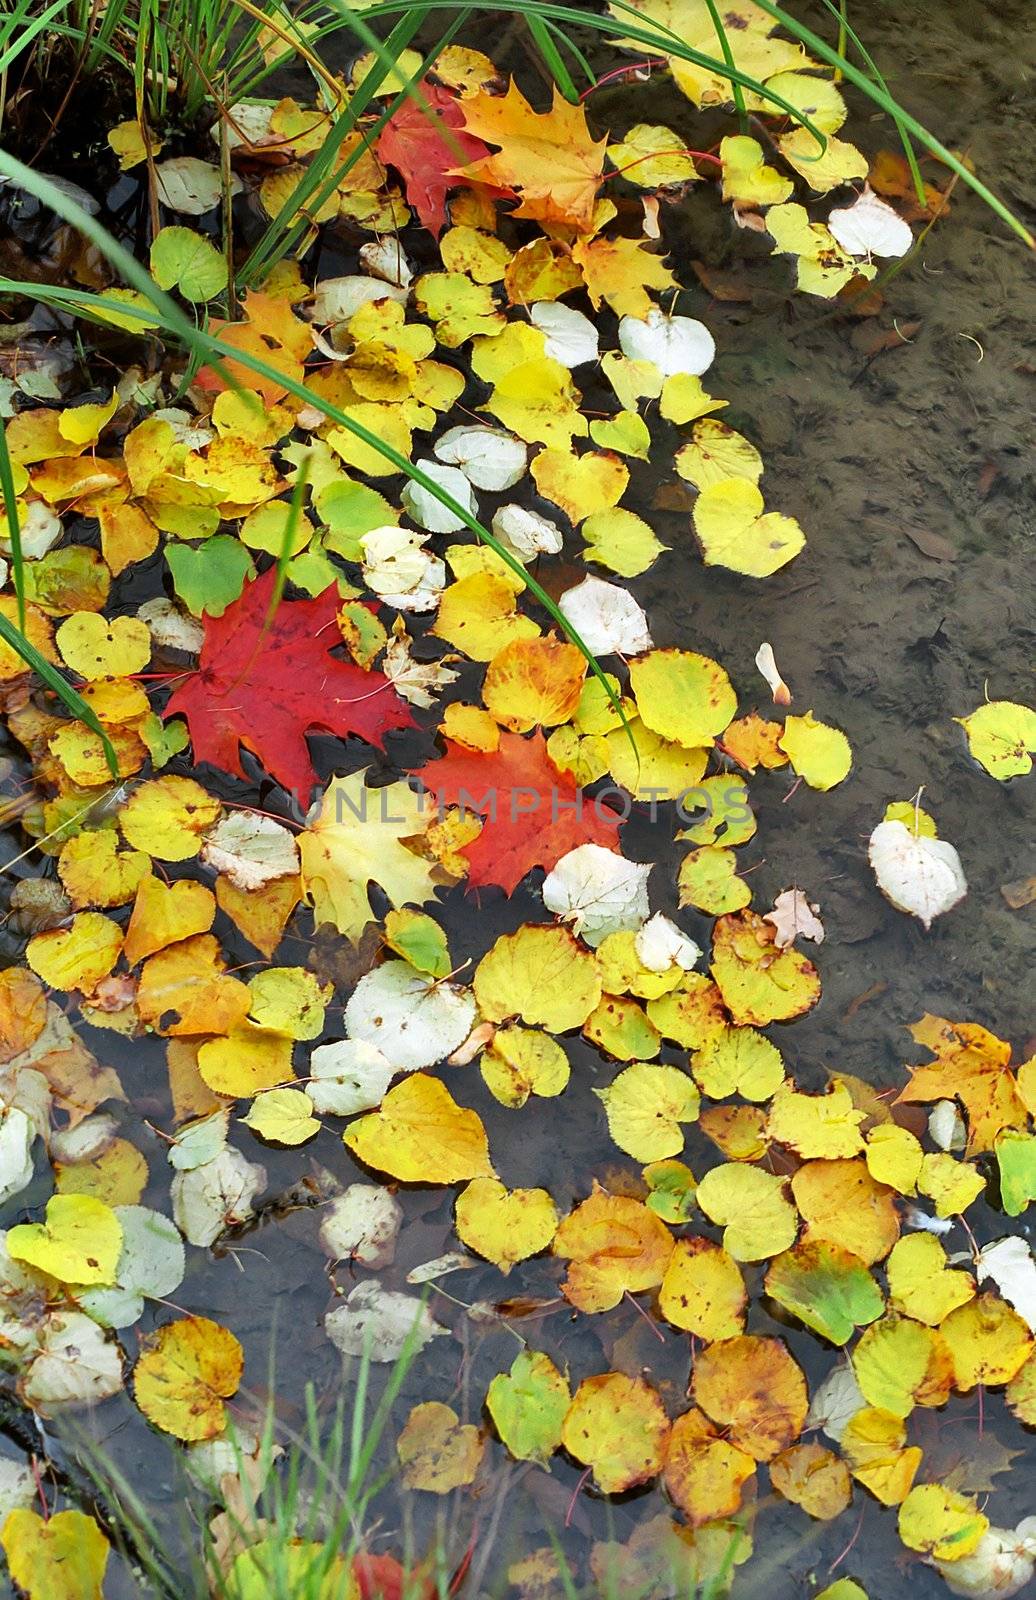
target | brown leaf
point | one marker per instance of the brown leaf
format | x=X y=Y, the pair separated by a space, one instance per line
x=1019 y=892
x=932 y=544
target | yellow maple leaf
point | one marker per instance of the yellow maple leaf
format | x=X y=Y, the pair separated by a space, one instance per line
x=549 y=157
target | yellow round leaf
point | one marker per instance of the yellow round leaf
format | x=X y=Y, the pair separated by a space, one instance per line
x=617 y=1426
x=289 y=1000
x=613 y=1244
x=920 y=1283
x=163 y=914
x=819 y=754
x=520 y=1062
x=716 y=452
x=840 y=1201
x=479 y=615
x=1002 y=737
x=753 y=1389
x=184 y=989
x=814 y=1478
x=703 y=1291
x=816 y=1124
x=533 y=683
x=184 y=1373
x=542 y=975
x=759 y=982
x=60 y=1558
x=758 y=1221
x=79 y=956
x=421 y=1135
x=735 y=532
x=283 y=1116
x=167 y=817
x=438 y=1452
x=247 y=1061
x=940 y=1522
x=118 y=1176
x=708 y=881
x=705 y=1474
x=685 y=697
x=580 y=485
x=621 y=541
x=645 y=1106
x=96 y=873
x=872 y=1443
x=737 y=1061
x=79 y=1242
x=988 y=1342
x=38 y=631
x=894 y=1157
x=900 y=1363
x=504 y=1225
x=104 y=647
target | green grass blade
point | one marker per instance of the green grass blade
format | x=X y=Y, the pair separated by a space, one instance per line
x=543 y=36
x=728 y=61
x=14 y=526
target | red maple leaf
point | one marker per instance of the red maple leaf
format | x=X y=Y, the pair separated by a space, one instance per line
x=534 y=812
x=264 y=690
x=423 y=149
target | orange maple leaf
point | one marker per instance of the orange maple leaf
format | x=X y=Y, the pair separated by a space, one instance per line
x=550 y=158
x=621 y=271
x=971 y=1066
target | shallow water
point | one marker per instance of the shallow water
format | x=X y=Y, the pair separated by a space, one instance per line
x=931 y=437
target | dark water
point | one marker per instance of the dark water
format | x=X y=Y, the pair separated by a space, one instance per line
x=931 y=437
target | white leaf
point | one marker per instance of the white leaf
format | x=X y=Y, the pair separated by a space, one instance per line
x=914 y=1217
x=571 y=338
x=362 y=1225
x=384 y=259
x=598 y=892
x=1010 y=1264
x=660 y=945
x=40 y=529
x=674 y=344
x=17 y=1136
x=399 y=569
x=17 y=1487
x=1000 y=1565
x=835 y=1402
x=417 y=681
x=918 y=874
x=427 y=510
x=250 y=850
x=76 y=1365
x=216 y=1196
x=151 y=1266
x=870 y=227
x=488 y=457
x=245 y=124
x=382 y=1322
x=525 y=534
x=767 y=665
x=946 y=1126
x=171 y=627
x=348 y=1076
x=415 y=1021
x=236 y=1453
x=337 y=299
x=606 y=617
x=190 y=186
x=86 y=1140
x=452 y=1261
x=185 y=427
x=200 y=1141
x=794 y=918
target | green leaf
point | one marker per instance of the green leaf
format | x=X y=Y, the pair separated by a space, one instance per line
x=185 y=260
x=827 y=1288
x=1016 y=1158
x=211 y=577
x=528 y=1406
x=163 y=739
x=419 y=940
x=350 y=510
